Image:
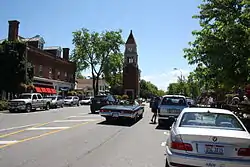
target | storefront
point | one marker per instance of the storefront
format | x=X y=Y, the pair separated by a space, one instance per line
x=48 y=86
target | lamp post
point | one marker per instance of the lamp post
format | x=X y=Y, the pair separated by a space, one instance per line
x=176 y=69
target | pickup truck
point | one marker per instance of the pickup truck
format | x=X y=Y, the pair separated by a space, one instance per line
x=170 y=108
x=28 y=102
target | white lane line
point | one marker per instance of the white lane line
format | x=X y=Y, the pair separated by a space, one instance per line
x=78 y=120
x=17 y=127
x=8 y=142
x=163 y=144
x=48 y=128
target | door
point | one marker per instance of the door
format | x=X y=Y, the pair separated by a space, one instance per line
x=40 y=101
x=35 y=103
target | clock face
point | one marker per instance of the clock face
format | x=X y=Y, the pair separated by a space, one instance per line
x=130 y=49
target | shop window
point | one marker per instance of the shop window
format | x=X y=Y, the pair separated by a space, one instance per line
x=58 y=74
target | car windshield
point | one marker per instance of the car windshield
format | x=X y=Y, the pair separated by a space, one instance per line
x=210 y=120
x=25 y=97
x=173 y=101
x=69 y=97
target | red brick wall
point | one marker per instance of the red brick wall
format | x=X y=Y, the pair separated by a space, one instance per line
x=131 y=78
x=38 y=57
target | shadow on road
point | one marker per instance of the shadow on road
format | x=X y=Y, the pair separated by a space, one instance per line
x=118 y=123
x=158 y=127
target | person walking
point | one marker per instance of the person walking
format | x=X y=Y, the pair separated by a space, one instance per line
x=154 y=109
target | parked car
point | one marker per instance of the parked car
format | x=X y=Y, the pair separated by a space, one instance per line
x=170 y=108
x=85 y=101
x=56 y=101
x=71 y=101
x=28 y=102
x=126 y=112
x=208 y=137
x=102 y=100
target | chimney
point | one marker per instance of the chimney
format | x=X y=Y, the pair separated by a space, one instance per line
x=13 y=30
x=66 y=53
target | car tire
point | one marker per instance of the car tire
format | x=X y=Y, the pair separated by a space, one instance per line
x=62 y=106
x=47 y=106
x=160 y=122
x=28 y=108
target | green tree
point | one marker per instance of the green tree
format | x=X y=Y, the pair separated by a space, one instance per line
x=12 y=66
x=93 y=50
x=147 y=89
x=222 y=47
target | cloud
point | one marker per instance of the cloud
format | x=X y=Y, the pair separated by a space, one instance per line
x=162 y=80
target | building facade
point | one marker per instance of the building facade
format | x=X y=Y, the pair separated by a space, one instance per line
x=131 y=71
x=86 y=85
x=52 y=67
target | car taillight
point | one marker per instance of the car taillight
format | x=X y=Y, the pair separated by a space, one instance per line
x=177 y=143
x=244 y=152
x=102 y=110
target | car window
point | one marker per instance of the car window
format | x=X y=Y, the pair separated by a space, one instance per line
x=174 y=101
x=210 y=120
x=25 y=96
x=34 y=97
x=39 y=96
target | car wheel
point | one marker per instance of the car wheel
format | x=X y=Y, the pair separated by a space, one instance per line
x=47 y=106
x=62 y=106
x=28 y=108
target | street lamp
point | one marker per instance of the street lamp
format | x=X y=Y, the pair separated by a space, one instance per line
x=176 y=69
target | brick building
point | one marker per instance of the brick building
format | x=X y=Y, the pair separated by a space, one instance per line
x=52 y=68
x=131 y=71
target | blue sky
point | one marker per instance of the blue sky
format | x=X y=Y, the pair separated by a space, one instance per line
x=162 y=28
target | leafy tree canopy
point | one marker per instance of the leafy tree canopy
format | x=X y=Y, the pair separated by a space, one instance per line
x=147 y=89
x=12 y=66
x=222 y=47
x=94 y=50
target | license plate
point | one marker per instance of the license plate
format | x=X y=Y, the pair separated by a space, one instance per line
x=174 y=111
x=214 y=149
x=115 y=115
x=210 y=164
x=98 y=102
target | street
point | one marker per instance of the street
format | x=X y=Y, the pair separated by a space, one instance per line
x=71 y=137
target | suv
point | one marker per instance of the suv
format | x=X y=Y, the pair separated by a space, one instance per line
x=170 y=108
x=101 y=100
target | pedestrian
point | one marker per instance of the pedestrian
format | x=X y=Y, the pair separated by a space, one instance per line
x=154 y=109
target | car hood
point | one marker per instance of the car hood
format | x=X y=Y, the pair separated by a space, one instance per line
x=17 y=100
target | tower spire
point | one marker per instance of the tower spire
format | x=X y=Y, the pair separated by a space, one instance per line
x=131 y=39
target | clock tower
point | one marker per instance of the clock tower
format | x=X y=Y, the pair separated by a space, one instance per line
x=131 y=72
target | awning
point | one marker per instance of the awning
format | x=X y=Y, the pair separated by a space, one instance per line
x=44 y=90
x=53 y=91
x=38 y=89
x=48 y=90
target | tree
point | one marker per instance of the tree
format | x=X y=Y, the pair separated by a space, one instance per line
x=222 y=47
x=12 y=66
x=93 y=50
x=112 y=69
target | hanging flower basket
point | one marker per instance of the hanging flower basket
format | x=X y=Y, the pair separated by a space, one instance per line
x=23 y=85
x=31 y=86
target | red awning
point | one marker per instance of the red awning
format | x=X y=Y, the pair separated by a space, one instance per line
x=44 y=90
x=49 y=90
x=38 y=90
x=53 y=91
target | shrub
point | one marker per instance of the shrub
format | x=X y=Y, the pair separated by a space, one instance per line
x=118 y=97
x=3 y=105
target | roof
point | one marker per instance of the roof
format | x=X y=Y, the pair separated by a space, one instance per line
x=35 y=38
x=212 y=110
x=52 y=48
x=131 y=39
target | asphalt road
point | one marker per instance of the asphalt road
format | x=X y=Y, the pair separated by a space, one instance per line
x=71 y=137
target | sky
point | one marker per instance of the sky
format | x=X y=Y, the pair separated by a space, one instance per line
x=162 y=28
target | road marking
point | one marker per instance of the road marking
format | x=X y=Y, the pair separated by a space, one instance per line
x=163 y=144
x=48 y=128
x=42 y=135
x=17 y=127
x=68 y=120
x=8 y=142
x=19 y=131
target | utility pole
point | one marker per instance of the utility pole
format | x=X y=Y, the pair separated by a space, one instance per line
x=181 y=79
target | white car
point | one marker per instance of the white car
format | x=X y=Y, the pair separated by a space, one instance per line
x=208 y=137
